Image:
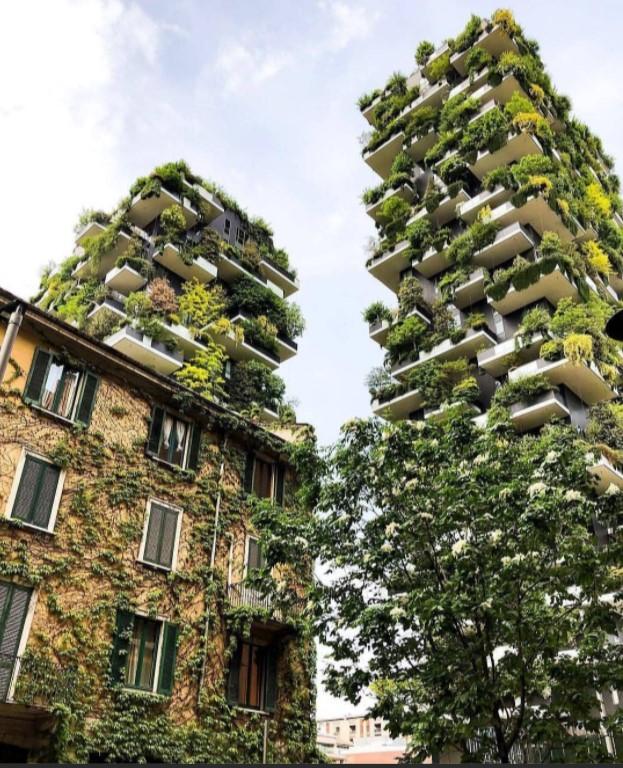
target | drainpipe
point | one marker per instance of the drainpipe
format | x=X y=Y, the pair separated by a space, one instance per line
x=217 y=510
x=15 y=320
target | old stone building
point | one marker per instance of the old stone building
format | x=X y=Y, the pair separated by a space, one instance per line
x=153 y=565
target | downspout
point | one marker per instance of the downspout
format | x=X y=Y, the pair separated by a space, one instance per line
x=12 y=329
x=217 y=510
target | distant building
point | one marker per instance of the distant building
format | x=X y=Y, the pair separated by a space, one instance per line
x=358 y=740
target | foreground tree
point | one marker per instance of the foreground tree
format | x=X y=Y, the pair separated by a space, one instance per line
x=465 y=588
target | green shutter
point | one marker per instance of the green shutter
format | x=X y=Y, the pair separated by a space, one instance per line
x=167 y=659
x=233 y=680
x=121 y=645
x=270 y=677
x=195 y=445
x=248 y=473
x=168 y=529
x=157 y=417
x=152 y=538
x=14 y=602
x=87 y=399
x=280 y=483
x=37 y=376
x=36 y=492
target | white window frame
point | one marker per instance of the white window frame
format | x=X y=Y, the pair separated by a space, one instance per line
x=176 y=543
x=162 y=621
x=247 y=539
x=71 y=419
x=8 y=513
x=23 y=641
x=190 y=426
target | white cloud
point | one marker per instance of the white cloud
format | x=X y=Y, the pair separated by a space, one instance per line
x=244 y=66
x=349 y=22
x=72 y=70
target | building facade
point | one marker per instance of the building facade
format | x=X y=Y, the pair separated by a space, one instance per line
x=150 y=606
x=357 y=739
x=499 y=236
x=181 y=279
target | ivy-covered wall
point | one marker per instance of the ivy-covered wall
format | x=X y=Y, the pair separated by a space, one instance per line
x=87 y=569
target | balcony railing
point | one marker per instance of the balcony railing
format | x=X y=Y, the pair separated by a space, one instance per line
x=36 y=681
x=241 y=595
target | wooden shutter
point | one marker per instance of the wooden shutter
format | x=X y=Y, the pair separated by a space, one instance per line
x=152 y=538
x=37 y=376
x=233 y=680
x=253 y=555
x=167 y=659
x=270 y=677
x=36 y=492
x=195 y=445
x=168 y=529
x=280 y=483
x=87 y=399
x=248 y=472
x=121 y=645
x=14 y=602
x=155 y=429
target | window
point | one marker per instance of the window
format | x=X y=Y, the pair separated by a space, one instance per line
x=227 y=228
x=143 y=654
x=14 y=604
x=173 y=440
x=337 y=730
x=241 y=236
x=58 y=388
x=378 y=728
x=253 y=676
x=254 y=560
x=161 y=535
x=265 y=479
x=36 y=492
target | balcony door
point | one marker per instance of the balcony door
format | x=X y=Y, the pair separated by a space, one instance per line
x=14 y=602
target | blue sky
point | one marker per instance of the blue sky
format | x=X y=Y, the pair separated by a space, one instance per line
x=258 y=95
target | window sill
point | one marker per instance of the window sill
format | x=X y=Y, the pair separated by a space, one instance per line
x=55 y=416
x=155 y=567
x=17 y=523
x=167 y=464
x=145 y=692
x=251 y=711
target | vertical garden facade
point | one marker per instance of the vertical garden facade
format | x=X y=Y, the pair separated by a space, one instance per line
x=181 y=279
x=500 y=234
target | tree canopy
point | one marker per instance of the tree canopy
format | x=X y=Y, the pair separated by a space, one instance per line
x=464 y=587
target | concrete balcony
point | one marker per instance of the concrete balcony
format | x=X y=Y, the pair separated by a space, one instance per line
x=535 y=212
x=230 y=269
x=169 y=256
x=243 y=350
x=286 y=348
x=495 y=41
x=404 y=192
x=500 y=93
x=401 y=406
x=517 y=146
x=471 y=291
x=497 y=360
x=124 y=279
x=474 y=340
x=387 y=266
x=584 y=379
x=184 y=339
x=275 y=275
x=418 y=146
x=381 y=158
x=92 y=229
x=106 y=306
x=466 y=87
x=143 y=210
x=368 y=112
x=87 y=268
x=553 y=287
x=509 y=242
x=445 y=211
x=153 y=354
x=468 y=211
x=606 y=474
x=211 y=208
x=378 y=330
x=531 y=415
x=432 y=262
x=433 y=96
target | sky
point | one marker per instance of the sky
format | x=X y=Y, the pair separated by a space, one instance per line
x=259 y=96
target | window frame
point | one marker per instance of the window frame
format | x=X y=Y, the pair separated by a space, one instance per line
x=160 y=621
x=176 y=542
x=194 y=432
x=83 y=373
x=248 y=538
x=25 y=633
x=227 y=228
x=273 y=477
x=21 y=463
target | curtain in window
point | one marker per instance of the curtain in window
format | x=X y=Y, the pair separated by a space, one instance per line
x=50 y=386
x=65 y=398
x=167 y=429
x=180 y=433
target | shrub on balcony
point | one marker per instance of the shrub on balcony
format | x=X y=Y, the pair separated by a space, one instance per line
x=103 y=324
x=200 y=304
x=163 y=296
x=438 y=68
x=598 y=202
x=423 y=52
x=366 y=99
x=260 y=332
x=251 y=383
x=381 y=385
x=410 y=295
x=394 y=213
x=489 y=131
x=405 y=337
x=479 y=234
x=248 y=296
x=423 y=120
x=605 y=427
x=578 y=348
x=533 y=321
x=454 y=168
x=526 y=389
x=504 y=17
x=477 y=59
x=436 y=380
x=468 y=36
x=203 y=373
x=456 y=112
x=419 y=235
x=597 y=258
x=173 y=223
x=377 y=312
